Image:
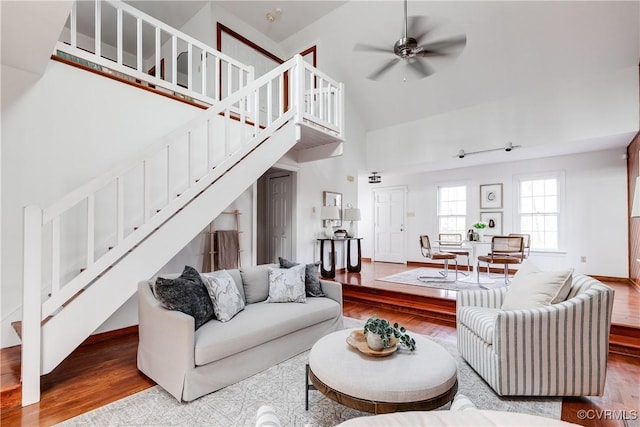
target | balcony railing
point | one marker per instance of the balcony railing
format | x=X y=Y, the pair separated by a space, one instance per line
x=114 y=37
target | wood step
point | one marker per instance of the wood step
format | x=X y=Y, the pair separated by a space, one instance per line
x=10 y=386
x=623 y=339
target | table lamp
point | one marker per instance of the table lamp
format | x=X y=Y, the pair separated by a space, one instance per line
x=352 y=214
x=328 y=214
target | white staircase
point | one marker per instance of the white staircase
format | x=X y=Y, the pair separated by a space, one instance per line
x=171 y=192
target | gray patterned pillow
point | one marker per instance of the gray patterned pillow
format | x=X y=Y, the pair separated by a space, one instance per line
x=187 y=294
x=287 y=284
x=224 y=294
x=312 y=284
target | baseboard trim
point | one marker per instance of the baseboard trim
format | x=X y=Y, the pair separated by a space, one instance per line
x=611 y=279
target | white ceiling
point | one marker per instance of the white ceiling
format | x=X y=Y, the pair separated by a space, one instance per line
x=524 y=63
x=173 y=13
x=515 y=50
x=293 y=15
x=512 y=48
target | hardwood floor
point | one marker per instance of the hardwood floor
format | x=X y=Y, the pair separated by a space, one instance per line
x=104 y=370
x=626 y=303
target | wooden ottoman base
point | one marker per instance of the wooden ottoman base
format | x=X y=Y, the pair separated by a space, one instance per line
x=375 y=407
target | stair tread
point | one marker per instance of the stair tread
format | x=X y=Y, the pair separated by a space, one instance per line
x=10 y=385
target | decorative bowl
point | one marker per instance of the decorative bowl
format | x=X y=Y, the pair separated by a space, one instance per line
x=358 y=341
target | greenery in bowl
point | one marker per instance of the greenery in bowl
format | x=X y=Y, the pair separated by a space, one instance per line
x=480 y=225
x=386 y=330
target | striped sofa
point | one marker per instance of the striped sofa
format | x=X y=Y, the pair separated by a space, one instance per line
x=555 y=350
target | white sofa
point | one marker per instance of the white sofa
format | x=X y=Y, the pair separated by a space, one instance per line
x=554 y=350
x=471 y=417
x=190 y=363
x=462 y=413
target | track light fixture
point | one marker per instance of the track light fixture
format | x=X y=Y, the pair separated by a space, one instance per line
x=374 y=178
x=508 y=148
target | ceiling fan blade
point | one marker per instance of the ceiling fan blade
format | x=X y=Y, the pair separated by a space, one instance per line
x=361 y=47
x=440 y=45
x=382 y=70
x=419 y=28
x=420 y=67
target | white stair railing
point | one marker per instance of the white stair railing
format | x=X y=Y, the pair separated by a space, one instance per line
x=140 y=47
x=323 y=101
x=169 y=174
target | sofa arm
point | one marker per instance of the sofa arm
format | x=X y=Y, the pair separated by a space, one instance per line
x=332 y=290
x=166 y=342
x=488 y=298
x=564 y=344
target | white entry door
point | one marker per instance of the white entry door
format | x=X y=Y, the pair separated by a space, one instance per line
x=279 y=217
x=389 y=225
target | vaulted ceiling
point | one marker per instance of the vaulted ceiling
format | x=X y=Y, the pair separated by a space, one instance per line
x=521 y=57
x=513 y=47
x=557 y=77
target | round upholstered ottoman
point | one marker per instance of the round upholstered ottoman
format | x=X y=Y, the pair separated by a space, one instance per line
x=423 y=379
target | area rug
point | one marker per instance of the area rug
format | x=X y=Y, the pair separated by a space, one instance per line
x=281 y=387
x=410 y=277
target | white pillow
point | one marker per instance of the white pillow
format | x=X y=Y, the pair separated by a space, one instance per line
x=224 y=294
x=532 y=287
x=287 y=284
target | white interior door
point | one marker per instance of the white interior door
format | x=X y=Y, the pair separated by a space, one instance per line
x=389 y=225
x=279 y=226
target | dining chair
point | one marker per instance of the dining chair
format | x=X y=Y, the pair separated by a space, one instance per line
x=526 y=241
x=452 y=243
x=505 y=250
x=427 y=252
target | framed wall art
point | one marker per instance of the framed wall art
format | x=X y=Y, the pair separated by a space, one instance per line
x=493 y=221
x=491 y=196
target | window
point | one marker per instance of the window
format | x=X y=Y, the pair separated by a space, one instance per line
x=452 y=209
x=539 y=212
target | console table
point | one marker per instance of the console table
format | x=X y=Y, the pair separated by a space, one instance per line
x=331 y=272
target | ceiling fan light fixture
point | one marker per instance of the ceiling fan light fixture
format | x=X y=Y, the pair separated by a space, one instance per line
x=411 y=48
x=273 y=15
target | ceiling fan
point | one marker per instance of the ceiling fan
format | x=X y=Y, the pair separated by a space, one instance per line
x=409 y=48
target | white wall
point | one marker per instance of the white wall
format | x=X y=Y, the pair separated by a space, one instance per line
x=69 y=127
x=594 y=219
x=331 y=174
x=538 y=118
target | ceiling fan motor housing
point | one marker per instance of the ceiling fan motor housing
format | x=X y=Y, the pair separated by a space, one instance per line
x=405 y=47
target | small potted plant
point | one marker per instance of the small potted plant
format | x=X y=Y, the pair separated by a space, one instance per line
x=379 y=333
x=479 y=229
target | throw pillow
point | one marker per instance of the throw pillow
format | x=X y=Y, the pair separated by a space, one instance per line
x=255 y=282
x=287 y=284
x=312 y=285
x=187 y=294
x=532 y=287
x=225 y=296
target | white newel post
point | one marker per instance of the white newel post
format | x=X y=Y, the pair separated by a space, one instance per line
x=299 y=89
x=31 y=306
